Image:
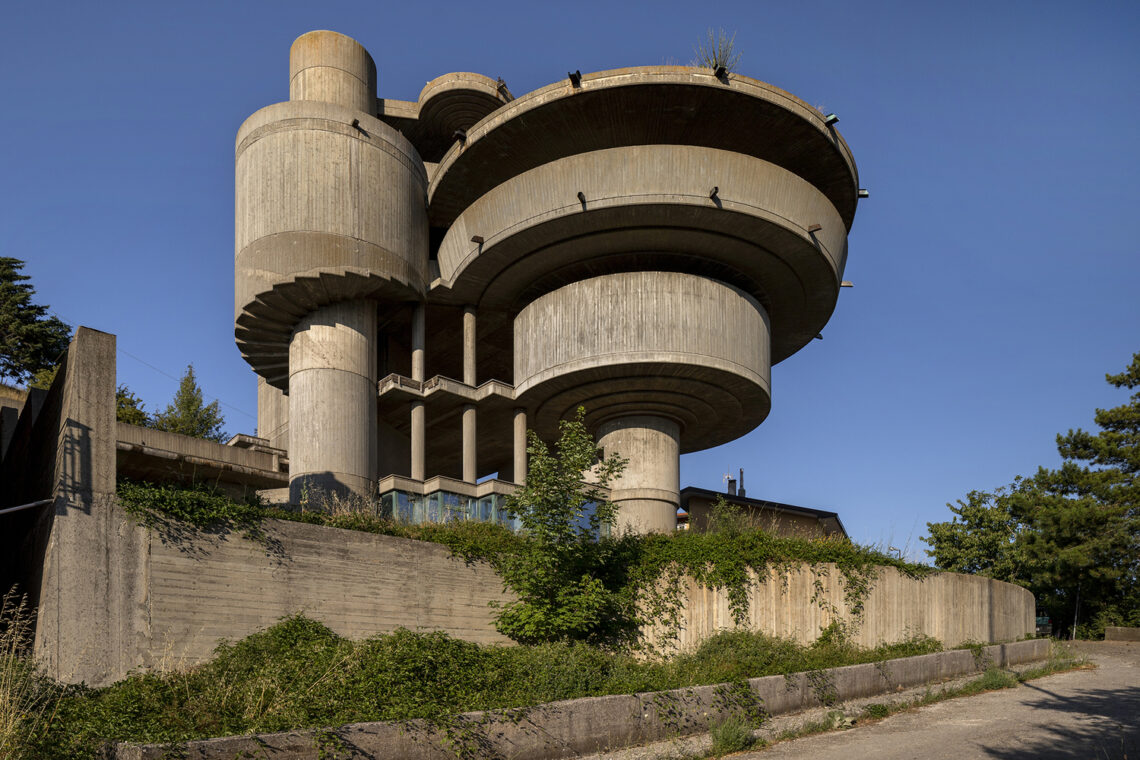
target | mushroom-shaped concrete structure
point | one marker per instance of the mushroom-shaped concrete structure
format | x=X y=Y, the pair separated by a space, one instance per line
x=642 y=242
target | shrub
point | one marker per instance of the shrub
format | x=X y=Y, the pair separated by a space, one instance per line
x=732 y=734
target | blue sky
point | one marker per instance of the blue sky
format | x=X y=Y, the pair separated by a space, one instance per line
x=996 y=268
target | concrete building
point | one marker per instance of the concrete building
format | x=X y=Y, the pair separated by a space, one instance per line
x=419 y=283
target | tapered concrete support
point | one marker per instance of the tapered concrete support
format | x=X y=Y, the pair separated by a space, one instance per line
x=332 y=68
x=470 y=444
x=332 y=400
x=519 y=473
x=647 y=493
x=469 y=375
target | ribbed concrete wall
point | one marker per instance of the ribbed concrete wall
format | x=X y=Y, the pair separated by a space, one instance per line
x=358 y=584
x=950 y=607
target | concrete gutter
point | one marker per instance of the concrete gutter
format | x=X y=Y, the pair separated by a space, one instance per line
x=595 y=724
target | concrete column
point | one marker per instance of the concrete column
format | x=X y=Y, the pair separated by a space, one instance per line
x=332 y=400
x=470 y=444
x=470 y=436
x=469 y=374
x=417 y=440
x=520 y=446
x=648 y=492
x=419 y=418
x=418 y=338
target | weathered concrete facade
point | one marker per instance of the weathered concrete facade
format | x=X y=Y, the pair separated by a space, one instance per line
x=112 y=595
x=419 y=283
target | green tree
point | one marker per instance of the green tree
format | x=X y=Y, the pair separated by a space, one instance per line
x=188 y=413
x=30 y=340
x=980 y=539
x=1071 y=535
x=563 y=574
x=129 y=407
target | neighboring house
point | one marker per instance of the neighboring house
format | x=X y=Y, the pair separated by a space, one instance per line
x=772 y=516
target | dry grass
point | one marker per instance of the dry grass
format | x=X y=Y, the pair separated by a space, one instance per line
x=25 y=695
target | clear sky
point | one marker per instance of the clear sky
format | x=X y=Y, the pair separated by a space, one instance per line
x=996 y=267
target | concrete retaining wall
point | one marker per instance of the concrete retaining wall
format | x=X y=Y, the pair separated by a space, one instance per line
x=1116 y=633
x=597 y=724
x=799 y=603
x=113 y=596
x=203 y=588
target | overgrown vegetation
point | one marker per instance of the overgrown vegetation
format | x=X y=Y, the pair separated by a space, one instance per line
x=584 y=596
x=299 y=674
x=567 y=573
x=26 y=697
x=574 y=579
x=1071 y=535
x=733 y=734
x=717 y=49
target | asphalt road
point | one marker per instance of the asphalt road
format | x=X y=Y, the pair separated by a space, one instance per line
x=1086 y=714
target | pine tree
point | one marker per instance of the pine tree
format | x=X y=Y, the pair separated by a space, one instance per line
x=129 y=407
x=188 y=413
x=1070 y=535
x=30 y=340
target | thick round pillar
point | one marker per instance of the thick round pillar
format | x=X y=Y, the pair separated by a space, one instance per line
x=332 y=400
x=332 y=68
x=647 y=493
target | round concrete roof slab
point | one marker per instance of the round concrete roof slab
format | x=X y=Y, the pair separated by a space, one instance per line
x=712 y=407
x=446 y=104
x=649 y=208
x=653 y=105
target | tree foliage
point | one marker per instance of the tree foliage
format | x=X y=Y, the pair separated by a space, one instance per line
x=30 y=339
x=129 y=407
x=188 y=413
x=559 y=574
x=1070 y=535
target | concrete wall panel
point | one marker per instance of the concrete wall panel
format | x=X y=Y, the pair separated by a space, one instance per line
x=358 y=584
x=641 y=316
x=800 y=602
x=645 y=174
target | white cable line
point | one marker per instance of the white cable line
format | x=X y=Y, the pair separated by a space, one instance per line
x=156 y=369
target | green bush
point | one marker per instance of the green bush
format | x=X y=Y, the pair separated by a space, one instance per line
x=732 y=734
x=299 y=674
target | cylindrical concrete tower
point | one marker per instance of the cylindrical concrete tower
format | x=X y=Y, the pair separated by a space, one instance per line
x=648 y=355
x=644 y=243
x=330 y=227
